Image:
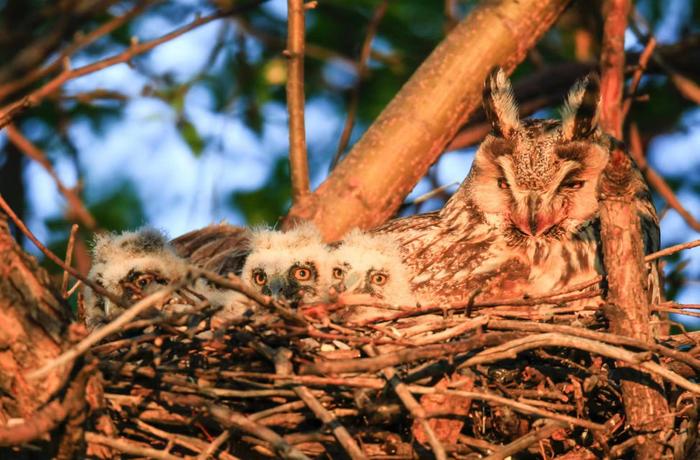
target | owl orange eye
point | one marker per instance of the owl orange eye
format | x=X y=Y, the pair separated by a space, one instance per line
x=573 y=184
x=338 y=273
x=379 y=279
x=503 y=183
x=302 y=274
x=260 y=278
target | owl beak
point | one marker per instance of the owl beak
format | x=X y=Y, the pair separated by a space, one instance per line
x=534 y=221
x=352 y=281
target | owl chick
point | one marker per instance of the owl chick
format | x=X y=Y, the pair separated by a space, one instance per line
x=288 y=265
x=367 y=269
x=131 y=265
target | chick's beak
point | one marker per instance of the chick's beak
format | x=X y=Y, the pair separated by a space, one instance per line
x=276 y=286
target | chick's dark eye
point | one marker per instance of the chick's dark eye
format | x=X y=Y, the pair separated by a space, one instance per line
x=503 y=183
x=379 y=279
x=302 y=274
x=338 y=273
x=573 y=184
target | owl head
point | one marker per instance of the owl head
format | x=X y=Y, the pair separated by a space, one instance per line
x=287 y=265
x=131 y=265
x=538 y=178
x=367 y=268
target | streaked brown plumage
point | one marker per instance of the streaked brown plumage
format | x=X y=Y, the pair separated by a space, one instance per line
x=221 y=248
x=525 y=220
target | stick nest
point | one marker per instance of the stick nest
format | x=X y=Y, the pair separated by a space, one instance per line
x=520 y=381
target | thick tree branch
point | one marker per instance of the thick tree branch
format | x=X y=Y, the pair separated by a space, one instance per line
x=298 y=161
x=368 y=186
x=627 y=308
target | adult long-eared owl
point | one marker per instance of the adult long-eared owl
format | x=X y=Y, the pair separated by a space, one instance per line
x=525 y=220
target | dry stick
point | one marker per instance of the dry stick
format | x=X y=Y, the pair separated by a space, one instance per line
x=36 y=96
x=214 y=446
x=283 y=365
x=80 y=42
x=511 y=349
x=614 y=339
x=658 y=182
x=231 y=419
x=517 y=406
x=360 y=68
x=671 y=250
x=54 y=258
x=99 y=334
x=69 y=260
x=526 y=441
x=129 y=447
x=637 y=76
x=408 y=355
x=75 y=204
x=298 y=160
x=416 y=410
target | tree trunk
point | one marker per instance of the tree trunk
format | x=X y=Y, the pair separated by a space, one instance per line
x=369 y=185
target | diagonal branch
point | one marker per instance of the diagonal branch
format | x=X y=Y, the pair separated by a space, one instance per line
x=413 y=130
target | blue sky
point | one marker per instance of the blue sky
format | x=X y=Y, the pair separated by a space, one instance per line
x=182 y=192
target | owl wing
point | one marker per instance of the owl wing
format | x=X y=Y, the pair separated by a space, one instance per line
x=221 y=248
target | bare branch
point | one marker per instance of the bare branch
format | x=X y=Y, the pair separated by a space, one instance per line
x=38 y=95
x=414 y=128
x=361 y=69
x=53 y=257
x=75 y=203
x=298 y=160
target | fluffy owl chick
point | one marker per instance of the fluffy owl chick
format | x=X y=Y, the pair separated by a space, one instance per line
x=367 y=269
x=131 y=265
x=288 y=265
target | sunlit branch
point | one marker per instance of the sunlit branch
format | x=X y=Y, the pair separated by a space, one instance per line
x=298 y=160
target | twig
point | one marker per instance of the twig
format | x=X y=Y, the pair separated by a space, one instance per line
x=553 y=339
x=637 y=76
x=75 y=204
x=407 y=355
x=214 y=446
x=81 y=41
x=54 y=258
x=234 y=282
x=415 y=409
x=671 y=250
x=658 y=182
x=38 y=95
x=129 y=447
x=518 y=406
x=283 y=366
x=526 y=441
x=614 y=339
x=298 y=160
x=231 y=419
x=108 y=329
x=360 y=69
x=69 y=260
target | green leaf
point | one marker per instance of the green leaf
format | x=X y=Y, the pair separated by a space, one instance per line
x=191 y=136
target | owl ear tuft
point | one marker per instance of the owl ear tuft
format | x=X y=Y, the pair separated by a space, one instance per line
x=499 y=103
x=579 y=116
